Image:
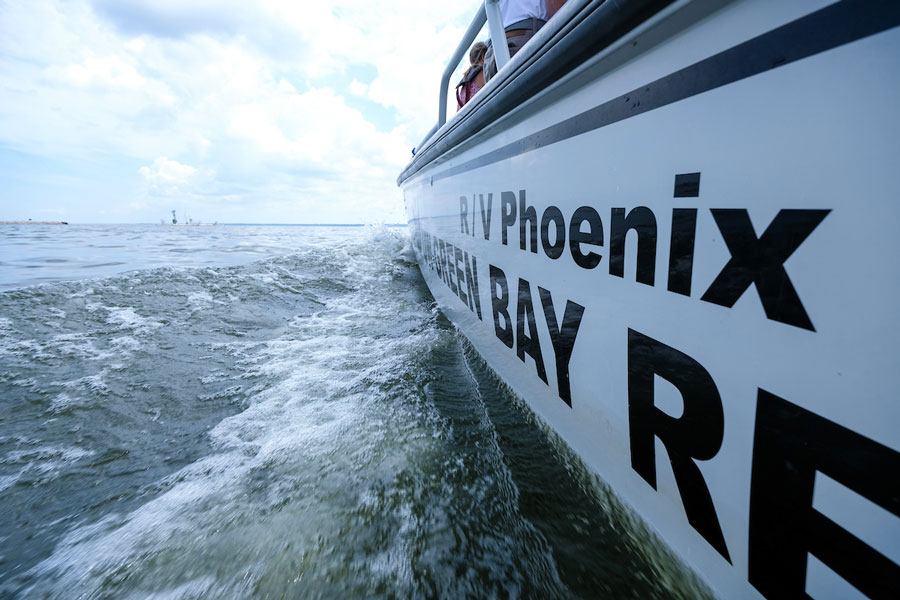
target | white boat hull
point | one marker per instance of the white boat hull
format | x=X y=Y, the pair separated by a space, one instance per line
x=727 y=312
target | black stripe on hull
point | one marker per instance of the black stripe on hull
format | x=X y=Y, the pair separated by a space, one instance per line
x=836 y=25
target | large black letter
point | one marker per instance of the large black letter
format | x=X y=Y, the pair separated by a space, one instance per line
x=642 y=220
x=426 y=241
x=507 y=214
x=439 y=255
x=562 y=338
x=460 y=275
x=450 y=268
x=435 y=253
x=593 y=236
x=526 y=344
x=472 y=281
x=681 y=250
x=553 y=214
x=761 y=261
x=527 y=214
x=463 y=211
x=500 y=306
x=790 y=444
x=697 y=434
x=485 y=216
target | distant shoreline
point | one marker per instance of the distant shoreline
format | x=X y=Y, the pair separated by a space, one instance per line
x=280 y=224
x=217 y=224
x=315 y=224
x=33 y=223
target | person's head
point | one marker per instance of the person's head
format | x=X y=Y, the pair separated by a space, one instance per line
x=476 y=58
x=476 y=54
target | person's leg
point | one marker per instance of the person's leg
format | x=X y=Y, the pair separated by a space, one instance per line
x=514 y=44
x=490 y=65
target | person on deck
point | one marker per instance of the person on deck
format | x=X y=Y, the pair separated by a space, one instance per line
x=473 y=79
x=553 y=6
x=521 y=20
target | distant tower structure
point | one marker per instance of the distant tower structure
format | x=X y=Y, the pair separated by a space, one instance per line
x=174 y=220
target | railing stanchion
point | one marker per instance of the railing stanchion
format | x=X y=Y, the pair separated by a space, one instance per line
x=488 y=12
x=498 y=36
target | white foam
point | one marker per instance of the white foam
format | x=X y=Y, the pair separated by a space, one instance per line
x=126 y=344
x=31 y=349
x=408 y=253
x=64 y=402
x=46 y=463
x=201 y=587
x=44 y=455
x=87 y=291
x=10 y=480
x=81 y=346
x=78 y=345
x=127 y=318
x=200 y=300
x=264 y=278
x=81 y=560
x=321 y=414
x=213 y=377
x=304 y=421
x=226 y=393
x=93 y=383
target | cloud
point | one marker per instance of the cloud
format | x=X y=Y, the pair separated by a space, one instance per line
x=172 y=18
x=258 y=95
x=167 y=172
x=357 y=88
x=110 y=72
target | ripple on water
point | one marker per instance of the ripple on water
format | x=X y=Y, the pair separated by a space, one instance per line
x=305 y=425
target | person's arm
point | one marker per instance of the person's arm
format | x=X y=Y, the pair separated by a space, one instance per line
x=553 y=6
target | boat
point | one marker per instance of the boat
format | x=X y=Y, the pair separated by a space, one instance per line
x=672 y=228
x=188 y=223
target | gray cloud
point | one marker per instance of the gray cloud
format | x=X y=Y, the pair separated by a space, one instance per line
x=168 y=19
x=250 y=94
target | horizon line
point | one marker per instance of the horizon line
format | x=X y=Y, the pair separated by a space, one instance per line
x=216 y=223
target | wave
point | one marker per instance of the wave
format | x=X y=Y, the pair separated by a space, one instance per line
x=304 y=425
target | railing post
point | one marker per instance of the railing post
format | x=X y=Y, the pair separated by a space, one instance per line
x=461 y=50
x=498 y=35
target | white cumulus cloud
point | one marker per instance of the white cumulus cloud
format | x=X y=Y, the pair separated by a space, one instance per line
x=167 y=172
x=274 y=110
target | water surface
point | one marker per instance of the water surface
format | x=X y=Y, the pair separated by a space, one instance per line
x=268 y=412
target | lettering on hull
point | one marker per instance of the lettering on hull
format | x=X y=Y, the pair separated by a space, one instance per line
x=790 y=444
x=756 y=261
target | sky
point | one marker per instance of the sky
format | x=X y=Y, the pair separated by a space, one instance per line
x=262 y=111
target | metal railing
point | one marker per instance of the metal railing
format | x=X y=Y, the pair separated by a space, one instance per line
x=489 y=11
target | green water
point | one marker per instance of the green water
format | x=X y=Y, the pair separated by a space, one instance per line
x=293 y=418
